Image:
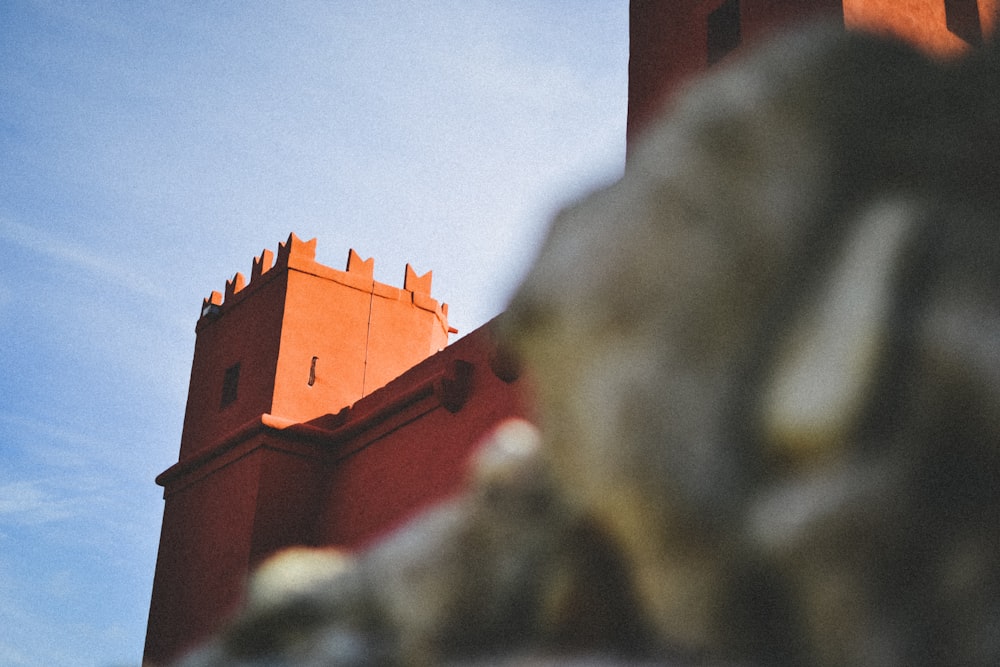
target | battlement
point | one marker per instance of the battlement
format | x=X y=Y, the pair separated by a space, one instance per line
x=294 y=254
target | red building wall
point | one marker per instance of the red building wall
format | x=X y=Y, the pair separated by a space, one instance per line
x=410 y=442
x=670 y=38
x=313 y=450
x=249 y=336
x=218 y=522
x=669 y=43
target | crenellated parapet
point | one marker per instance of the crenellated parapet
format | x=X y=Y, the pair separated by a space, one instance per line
x=294 y=254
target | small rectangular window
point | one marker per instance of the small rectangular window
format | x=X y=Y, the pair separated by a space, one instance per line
x=723 y=30
x=230 y=383
x=962 y=18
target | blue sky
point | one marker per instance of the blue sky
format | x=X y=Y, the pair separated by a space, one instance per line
x=149 y=150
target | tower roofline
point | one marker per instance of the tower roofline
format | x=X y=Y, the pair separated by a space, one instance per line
x=294 y=254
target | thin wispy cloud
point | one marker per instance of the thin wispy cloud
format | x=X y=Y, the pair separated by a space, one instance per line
x=54 y=444
x=30 y=503
x=69 y=257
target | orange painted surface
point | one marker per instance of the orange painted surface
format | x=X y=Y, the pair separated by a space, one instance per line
x=383 y=474
x=920 y=22
x=412 y=310
x=361 y=334
x=342 y=480
x=203 y=558
x=346 y=418
x=219 y=521
x=250 y=336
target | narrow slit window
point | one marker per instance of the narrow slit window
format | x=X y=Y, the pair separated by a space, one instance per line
x=723 y=30
x=962 y=19
x=312 y=371
x=230 y=385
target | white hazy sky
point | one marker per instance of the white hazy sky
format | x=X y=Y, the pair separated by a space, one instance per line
x=148 y=150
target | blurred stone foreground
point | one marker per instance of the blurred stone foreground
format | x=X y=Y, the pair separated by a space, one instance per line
x=768 y=372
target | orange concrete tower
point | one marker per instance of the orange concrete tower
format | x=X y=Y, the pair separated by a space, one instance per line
x=300 y=341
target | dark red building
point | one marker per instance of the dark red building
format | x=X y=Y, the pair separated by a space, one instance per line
x=673 y=40
x=325 y=408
